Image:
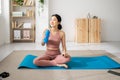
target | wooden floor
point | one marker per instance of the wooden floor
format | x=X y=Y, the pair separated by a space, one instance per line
x=11 y=62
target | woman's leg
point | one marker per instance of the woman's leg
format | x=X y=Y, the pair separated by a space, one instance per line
x=44 y=61
x=61 y=60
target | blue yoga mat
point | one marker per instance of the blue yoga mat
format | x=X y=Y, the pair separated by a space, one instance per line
x=98 y=62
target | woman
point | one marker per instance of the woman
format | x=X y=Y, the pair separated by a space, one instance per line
x=53 y=56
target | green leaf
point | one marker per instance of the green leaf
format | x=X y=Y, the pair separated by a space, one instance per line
x=41 y=1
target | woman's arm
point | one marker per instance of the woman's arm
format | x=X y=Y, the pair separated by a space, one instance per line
x=63 y=43
x=64 y=50
x=43 y=35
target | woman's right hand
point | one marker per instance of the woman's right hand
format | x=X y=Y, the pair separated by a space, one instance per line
x=42 y=43
x=65 y=55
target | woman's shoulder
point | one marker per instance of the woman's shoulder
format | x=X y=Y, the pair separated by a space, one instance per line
x=62 y=32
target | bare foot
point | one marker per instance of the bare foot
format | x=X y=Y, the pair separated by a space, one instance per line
x=62 y=65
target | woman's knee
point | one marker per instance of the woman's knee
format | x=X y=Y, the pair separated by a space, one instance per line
x=68 y=59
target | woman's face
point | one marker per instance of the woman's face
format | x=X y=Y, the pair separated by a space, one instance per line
x=54 y=22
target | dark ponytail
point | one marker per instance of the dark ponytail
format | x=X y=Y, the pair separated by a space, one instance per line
x=59 y=26
x=59 y=20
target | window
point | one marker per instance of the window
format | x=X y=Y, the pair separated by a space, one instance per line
x=0 y=6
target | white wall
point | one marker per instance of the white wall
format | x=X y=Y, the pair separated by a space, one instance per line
x=2 y=27
x=6 y=20
x=41 y=19
x=107 y=10
x=4 y=23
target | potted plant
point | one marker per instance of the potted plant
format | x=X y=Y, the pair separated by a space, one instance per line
x=19 y=2
x=41 y=6
x=41 y=1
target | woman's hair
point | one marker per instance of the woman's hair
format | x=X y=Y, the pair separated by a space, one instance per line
x=59 y=20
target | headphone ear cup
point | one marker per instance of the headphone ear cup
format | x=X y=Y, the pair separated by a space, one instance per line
x=7 y=74
x=4 y=74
